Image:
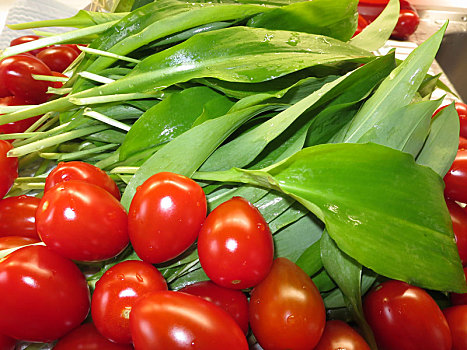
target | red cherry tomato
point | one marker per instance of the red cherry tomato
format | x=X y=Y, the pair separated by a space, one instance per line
x=58 y=84
x=456 y=178
x=44 y=295
x=457 y=320
x=20 y=125
x=459 y=224
x=8 y=242
x=462 y=142
x=234 y=302
x=165 y=216
x=26 y=39
x=406 y=25
x=286 y=309
x=117 y=291
x=339 y=335
x=461 y=109
x=459 y=298
x=362 y=23
x=18 y=216
x=7 y=343
x=83 y=172
x=58 y=58
x=16 y=74
x=405 y=317
x=8 y=168
x=82 y=221
x=86 y=337
x=176 y=321
x=235 y=245
x=74 y=47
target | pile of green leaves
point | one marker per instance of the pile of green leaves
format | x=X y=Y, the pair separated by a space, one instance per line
x=276 y=102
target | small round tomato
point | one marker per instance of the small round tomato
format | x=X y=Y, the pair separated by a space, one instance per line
x=8 y=242
x=58 y=84
x=20 y=125
x=456 y=178
x=406 y=25
x=235 y=245
x=462 y=142
x=456 y=317
x=26 y=39
x=339 y=335
x=86 y=337
x=234 y=302
x=286 y=309
x=459 y=298
x=459 y=224
x=16 y=74
x=8 y=168
x=58 y=58
x=18 y=216
x=176 y=321
x=81 y=171
x=82 y=221
x=44 y=295
x=165 y=216
x=7 y=343
x=405 y=317
x=117 y=291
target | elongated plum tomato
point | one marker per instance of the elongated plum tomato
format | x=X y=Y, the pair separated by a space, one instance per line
x=18 y=216
x=44 y=295
x=82 y=171
x=117 y=291
x=8 y=168
x=286 y=309
x=26 y=39
x=456 y=178
x=20 y=125
x=86 y=337
x=339 y=335
x=7 y=343
x=58 y=58
x=459 y=225
x=165 y=216
x=234 y=302
x=8 y=242
x=459 y=298
x=82 y=221
x=456 y=317
x=177 y=321
x=405 y=317
x=235 y=245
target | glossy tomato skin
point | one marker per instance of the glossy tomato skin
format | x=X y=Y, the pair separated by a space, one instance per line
x=405 y=317
x=16 y=74
x=26 y=39
x=286 y=309
x=339 y=335
x=7 y=343
x=18 y=216
x=235 y=245
x=459 y=298
x=406 y=25
x=462 y=142
x=459 y=224
x=58 y=58
x=86 y=337
x=234 y=302
x=44 y=294
x=58 y=84
x=82 y=171
x=177 y=321
x=117 y=291
x=8 y=168
x=165 y=216
x=456 y=178
x=456 y=316
x=82 y=221
x=20 y=125
x=8 y=242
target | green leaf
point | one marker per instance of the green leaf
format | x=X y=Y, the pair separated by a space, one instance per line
x=379 y=206
x=310 y=260
x=440 y=148
x=333 y=18
x=323 y=282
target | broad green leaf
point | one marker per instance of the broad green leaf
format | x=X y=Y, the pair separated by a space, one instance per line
x=323 y=282
x=440 y=148
x=295 y=212
x=250 y=193
x=310 y=260
x=333 y=18
x=378 y=205
x=378 y=32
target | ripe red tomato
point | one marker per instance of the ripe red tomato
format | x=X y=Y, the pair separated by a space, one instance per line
x=235 y=245
x=459 y=224
x=362 y=23
x=117 y=291
x=456 y=178
x=234 y=302
x=20 y=125
x=457 y=320
x=82 y=171
x=176 y=321
x=165 y=216
x=58 y=58
x=8 y=168
x=25 y=39
x=86 y=337
x=461 y=109
x=286 y=309
x=7 y=343
x=406 y=25
x=82 y=221
x=459 y=298
x=44 y=295
x=8 y=242
x=405 y=317
x=18 y=216
x=462 y=142
x=16 y=74
x=58 y=84
x=339 y=335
